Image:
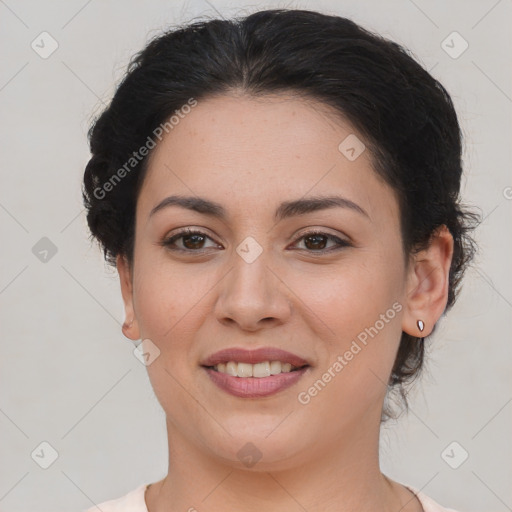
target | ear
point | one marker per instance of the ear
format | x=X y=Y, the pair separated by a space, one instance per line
x=130 y=326
x=427 y=284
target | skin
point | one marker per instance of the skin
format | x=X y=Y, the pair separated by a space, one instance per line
x=249 y=155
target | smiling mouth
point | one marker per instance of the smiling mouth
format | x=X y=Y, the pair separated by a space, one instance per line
x=258 y=370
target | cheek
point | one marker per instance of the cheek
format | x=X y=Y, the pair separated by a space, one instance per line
x=155 y=307
x=160 y=294
x=170 y=303
x=353 y=296
x=169 y=308
x=360 y=311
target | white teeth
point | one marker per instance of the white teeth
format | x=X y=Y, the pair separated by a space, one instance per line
x=244 y=370
x=286 y=367
x=261 y=369
x=231 y=369
x=258 y=370
x=275 y=367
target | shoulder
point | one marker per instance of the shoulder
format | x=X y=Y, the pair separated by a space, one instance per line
x=131 y=502
x=428 y=504
x=134 y=502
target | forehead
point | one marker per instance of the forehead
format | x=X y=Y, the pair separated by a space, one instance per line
x=255 y=151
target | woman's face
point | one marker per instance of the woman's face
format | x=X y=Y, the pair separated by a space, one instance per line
x=327 y=284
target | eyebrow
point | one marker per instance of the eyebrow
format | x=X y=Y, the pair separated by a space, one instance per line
x=285 y=210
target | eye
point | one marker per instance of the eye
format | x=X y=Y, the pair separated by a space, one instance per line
x=316 y=241
x=190 y=240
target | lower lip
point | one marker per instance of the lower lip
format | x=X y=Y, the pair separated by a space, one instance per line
x=255 y=387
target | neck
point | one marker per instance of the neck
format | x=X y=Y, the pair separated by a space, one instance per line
x=343 y=477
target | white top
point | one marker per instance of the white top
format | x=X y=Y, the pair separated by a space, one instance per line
x=134 y=502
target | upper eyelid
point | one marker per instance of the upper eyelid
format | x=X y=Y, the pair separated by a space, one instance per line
x=186 y=232
x=296 y=238
x=303 y=231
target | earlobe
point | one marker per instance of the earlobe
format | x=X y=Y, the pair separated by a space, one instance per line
x=130 y=326
x=428 y=284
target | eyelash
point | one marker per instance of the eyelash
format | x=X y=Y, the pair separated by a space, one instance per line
x=168 y=242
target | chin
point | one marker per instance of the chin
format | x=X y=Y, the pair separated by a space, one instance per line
x=257 y=450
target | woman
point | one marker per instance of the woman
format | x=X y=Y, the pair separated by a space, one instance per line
x=280 y=196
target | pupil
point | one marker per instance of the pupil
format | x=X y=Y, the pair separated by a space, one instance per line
x=317 y=239
x=193 y=245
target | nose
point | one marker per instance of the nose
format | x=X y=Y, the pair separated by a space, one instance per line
x=252 y=296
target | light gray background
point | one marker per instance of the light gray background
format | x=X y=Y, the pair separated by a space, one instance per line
x=68 y=375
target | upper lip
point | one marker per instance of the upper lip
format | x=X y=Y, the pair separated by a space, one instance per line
x=255 y=356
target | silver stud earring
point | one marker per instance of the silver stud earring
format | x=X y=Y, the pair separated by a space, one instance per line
x=421 y=325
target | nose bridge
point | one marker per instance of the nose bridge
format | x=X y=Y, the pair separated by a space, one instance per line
x=251 y=292
x=250 y=277
x=251 y=272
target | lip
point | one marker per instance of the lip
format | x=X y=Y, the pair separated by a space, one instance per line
x=255 y=356
x=254 y=387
